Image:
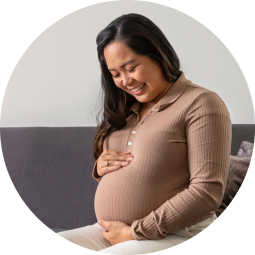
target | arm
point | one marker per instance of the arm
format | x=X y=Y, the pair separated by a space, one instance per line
x=95 y=174
x=209 y=134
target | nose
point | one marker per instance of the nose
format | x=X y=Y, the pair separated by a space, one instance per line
x=127 y=80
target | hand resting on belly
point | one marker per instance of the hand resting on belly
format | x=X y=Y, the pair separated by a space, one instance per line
x=115 y=159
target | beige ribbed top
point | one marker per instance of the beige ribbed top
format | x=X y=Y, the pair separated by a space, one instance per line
x=181 y=157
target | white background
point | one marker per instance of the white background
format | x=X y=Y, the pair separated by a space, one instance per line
x=56 y=82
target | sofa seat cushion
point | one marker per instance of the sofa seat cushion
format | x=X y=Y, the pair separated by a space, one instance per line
x=56 y=230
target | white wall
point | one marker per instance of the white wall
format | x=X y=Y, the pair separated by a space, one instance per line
x=57 y=80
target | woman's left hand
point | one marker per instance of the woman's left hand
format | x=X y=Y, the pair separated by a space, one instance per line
x=115 y=231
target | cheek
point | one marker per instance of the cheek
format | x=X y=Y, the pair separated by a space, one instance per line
x=144 y=75
x=120 y=86
x=117 y=83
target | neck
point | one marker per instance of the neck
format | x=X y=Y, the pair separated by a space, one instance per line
x=155 y=100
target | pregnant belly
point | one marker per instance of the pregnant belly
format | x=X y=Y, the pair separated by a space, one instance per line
x=127 y=194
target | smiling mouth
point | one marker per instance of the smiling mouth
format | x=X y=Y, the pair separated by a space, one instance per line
x=138 y=88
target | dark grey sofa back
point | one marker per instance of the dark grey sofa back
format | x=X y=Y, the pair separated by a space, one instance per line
x=51 y=168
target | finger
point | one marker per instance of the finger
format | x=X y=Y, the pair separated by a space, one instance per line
x=123 y=162
x=109 y=152
x=120 y=157
x=113 y=152
x=105 y=234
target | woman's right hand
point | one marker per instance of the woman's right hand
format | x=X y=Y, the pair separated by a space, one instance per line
x=115 y=159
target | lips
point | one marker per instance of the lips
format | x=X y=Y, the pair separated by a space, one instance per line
x=138 y=86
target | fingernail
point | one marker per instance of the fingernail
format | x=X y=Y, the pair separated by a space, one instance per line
x=98 y=221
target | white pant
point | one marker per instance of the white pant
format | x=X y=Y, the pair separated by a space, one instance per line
x=91 y=237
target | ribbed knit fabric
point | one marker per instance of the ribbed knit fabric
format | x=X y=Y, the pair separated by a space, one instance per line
x=181 y=155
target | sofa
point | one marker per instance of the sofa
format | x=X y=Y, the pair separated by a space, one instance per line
x=51 y=169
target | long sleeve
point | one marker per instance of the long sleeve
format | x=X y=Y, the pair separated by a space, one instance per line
x=209 y=133
x=95 y=174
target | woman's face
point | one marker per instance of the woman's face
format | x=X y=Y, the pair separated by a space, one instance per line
x=131 y=71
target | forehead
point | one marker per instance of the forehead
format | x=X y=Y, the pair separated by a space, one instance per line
x=117 y=53
x=117 y=49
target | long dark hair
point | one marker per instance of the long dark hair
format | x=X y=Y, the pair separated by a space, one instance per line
x=143 y=37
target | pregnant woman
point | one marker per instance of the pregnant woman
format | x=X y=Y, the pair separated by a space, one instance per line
x=162 y=146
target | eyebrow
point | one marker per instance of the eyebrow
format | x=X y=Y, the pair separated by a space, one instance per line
x=128 y=62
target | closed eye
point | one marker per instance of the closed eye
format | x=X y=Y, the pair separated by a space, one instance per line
x=128 y=71
x=131 y=69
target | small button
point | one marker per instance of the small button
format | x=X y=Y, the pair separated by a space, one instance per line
x=129 y=143
x=133 y=132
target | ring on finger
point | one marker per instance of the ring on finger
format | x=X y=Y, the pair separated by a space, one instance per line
x=106 y=162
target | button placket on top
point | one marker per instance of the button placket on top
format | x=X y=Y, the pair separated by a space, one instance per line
x=145 y=118
x=136 y=124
